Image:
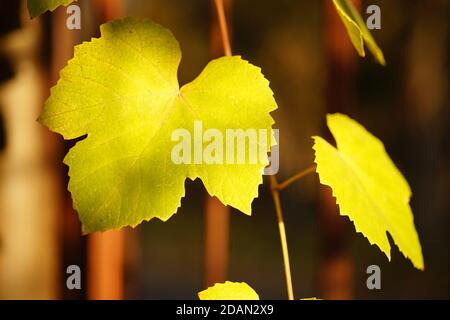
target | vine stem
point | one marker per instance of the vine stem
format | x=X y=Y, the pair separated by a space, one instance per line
x=274 y=187
x=223 y=27
x=296 y=177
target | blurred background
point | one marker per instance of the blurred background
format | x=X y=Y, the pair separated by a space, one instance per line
x=306 y=54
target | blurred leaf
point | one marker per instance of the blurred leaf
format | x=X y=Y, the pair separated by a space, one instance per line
x=369 y=189
x=38 y=7
x=229 y=291
x=121 y=90
x=232 y=291
x=357 y=30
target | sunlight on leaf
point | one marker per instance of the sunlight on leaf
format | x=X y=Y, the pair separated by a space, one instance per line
x=229 y=291
x=368 y=187
x=232 y=291
x=38 y=7
x=357 y=30
x=122 y=91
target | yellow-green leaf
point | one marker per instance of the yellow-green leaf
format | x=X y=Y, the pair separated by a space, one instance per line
x=122 y=91
x=232 y=291
x=229 y=291
x=38 y=7
x=357 y=30
x=368 y=187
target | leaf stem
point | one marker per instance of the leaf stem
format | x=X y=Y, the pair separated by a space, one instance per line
x=223 y=27
x=274 y=187
x=296 y=177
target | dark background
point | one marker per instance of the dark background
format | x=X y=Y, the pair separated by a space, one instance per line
x=313 y=70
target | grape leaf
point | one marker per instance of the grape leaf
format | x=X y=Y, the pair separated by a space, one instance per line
x=121 y=90
x=232 y=291
x=357 y=30
x=368 y=187
x=38 y=7
x=229 y=291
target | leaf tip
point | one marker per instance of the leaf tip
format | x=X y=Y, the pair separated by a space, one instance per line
x=381 y=60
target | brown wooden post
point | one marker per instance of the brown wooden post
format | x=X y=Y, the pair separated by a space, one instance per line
x=72 y=246
x=336 y=271
x=106 y=249
x=217 y=215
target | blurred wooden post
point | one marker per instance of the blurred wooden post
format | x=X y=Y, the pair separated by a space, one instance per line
x=105 y=265
x=336 y=271
x=30 y=177
x=106 y=250
x=217 y=215
x=72 y=246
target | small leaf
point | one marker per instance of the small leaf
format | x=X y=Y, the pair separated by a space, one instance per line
x=357 y=30
x=369 y=189
x=232 y=291
x=122 y=91
x=38 y=7
x=229 y=291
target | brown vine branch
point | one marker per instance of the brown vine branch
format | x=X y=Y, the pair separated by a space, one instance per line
x=216 y=214
x=296 y=177
x=223 y=27
x=274 y=187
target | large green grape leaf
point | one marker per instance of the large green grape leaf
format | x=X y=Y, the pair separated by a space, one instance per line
x=357 y=30
x=38 y=7
x=229 y=291
x=368 y=187
x=121 y=90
